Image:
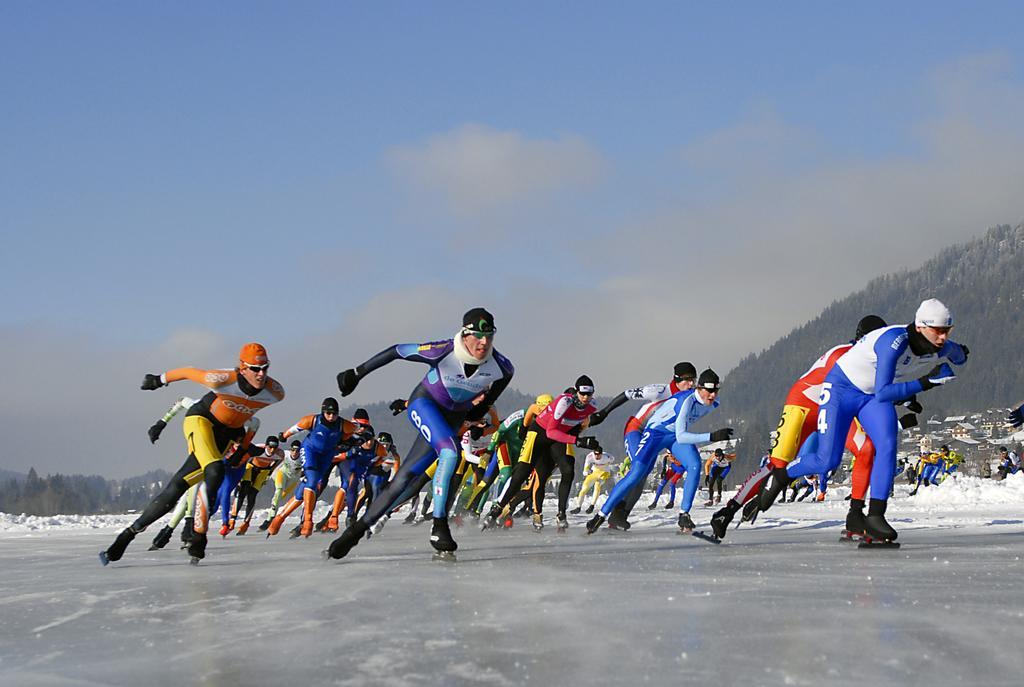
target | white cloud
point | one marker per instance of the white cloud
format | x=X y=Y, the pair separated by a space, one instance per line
x=476 y=168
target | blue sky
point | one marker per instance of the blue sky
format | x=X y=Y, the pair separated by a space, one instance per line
x=179 y=178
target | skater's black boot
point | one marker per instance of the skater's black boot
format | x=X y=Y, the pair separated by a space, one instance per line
x=491 y=520
x=441 y=536
x=855 y=520
x=653 y=505
x=876 y=527
x=116 y=550
x=776 y=484
x=594 y=524
x=162 y=538
x=590 y=509
x=685 y=523
x=617 y=518
x=265 y=525
x=576 y=510
x=187 y=526
x=750 y=510
x=197 y=547
x=722 y=517
x=561 y=522
x=340 y=547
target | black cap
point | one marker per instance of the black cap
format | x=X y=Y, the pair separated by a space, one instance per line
x=868 y=324
x=272 y=439
x=478 y=320
x=296 y=444
x=584 y=385
x=330 y=405
x=684 y=371
x=708 y=380
x=385 y=438
x=1002 y=449
x=361 y=414
x=719 y=452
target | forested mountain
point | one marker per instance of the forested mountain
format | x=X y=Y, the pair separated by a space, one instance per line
x=982 y=282
x=84 y=494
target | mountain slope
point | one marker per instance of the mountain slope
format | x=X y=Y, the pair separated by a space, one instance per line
x=982 y=283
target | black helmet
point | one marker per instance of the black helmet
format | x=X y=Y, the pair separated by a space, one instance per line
x=330 y=405
x=684 y=371
x=296 y=444
x=868 y=324
x=361 y=415
x=709 y=380
x=584 y=385
x=272 y=440
x=385 y=438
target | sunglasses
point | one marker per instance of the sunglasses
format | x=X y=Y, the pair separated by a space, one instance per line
x=258 y=368
x=479 y=335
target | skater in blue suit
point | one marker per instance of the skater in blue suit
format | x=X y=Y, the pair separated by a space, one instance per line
x=887 y=366
x=669 y=428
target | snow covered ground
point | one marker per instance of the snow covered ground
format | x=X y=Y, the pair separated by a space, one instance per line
x=780 y=603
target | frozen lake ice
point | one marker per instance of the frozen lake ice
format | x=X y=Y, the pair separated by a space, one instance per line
x=780 y=603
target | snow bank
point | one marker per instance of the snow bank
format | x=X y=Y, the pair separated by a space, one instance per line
x=87 y=523
x=972 y=491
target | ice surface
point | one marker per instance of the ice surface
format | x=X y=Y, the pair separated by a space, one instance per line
x=780 y=603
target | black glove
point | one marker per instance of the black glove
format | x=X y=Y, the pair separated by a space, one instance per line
x=723 y=434
x=939 y=375
x=150 y=382
x=967 y=351
x=347 y=381
x=913 y=405
x=575 y=431
x=1016 y=417
x=597 y=418
x=475 y=432
x=154 y=431
x=398 y=406
x=588 y=443
x=907 y=421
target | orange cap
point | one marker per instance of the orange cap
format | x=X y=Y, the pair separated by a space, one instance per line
x=253 y=354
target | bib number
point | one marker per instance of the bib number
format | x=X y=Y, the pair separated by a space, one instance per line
x=418 y=421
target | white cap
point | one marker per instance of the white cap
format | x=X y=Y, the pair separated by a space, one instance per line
x=932 y=313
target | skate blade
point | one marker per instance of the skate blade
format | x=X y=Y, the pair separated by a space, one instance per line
x=878 y=544
x=154 y=547
x=103 y=558
x=851 y=537
x=194 y=561
x=701 y=534
x=444 y=556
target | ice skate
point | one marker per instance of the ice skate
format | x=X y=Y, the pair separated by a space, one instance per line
x=722 y=517
x=162 y=538
x=561 y=523
x=685 y=523
x=441 y=540
x=197 y=547
x=116 y=550
x=340 y=547
x=538 y=521
x=594 y=524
